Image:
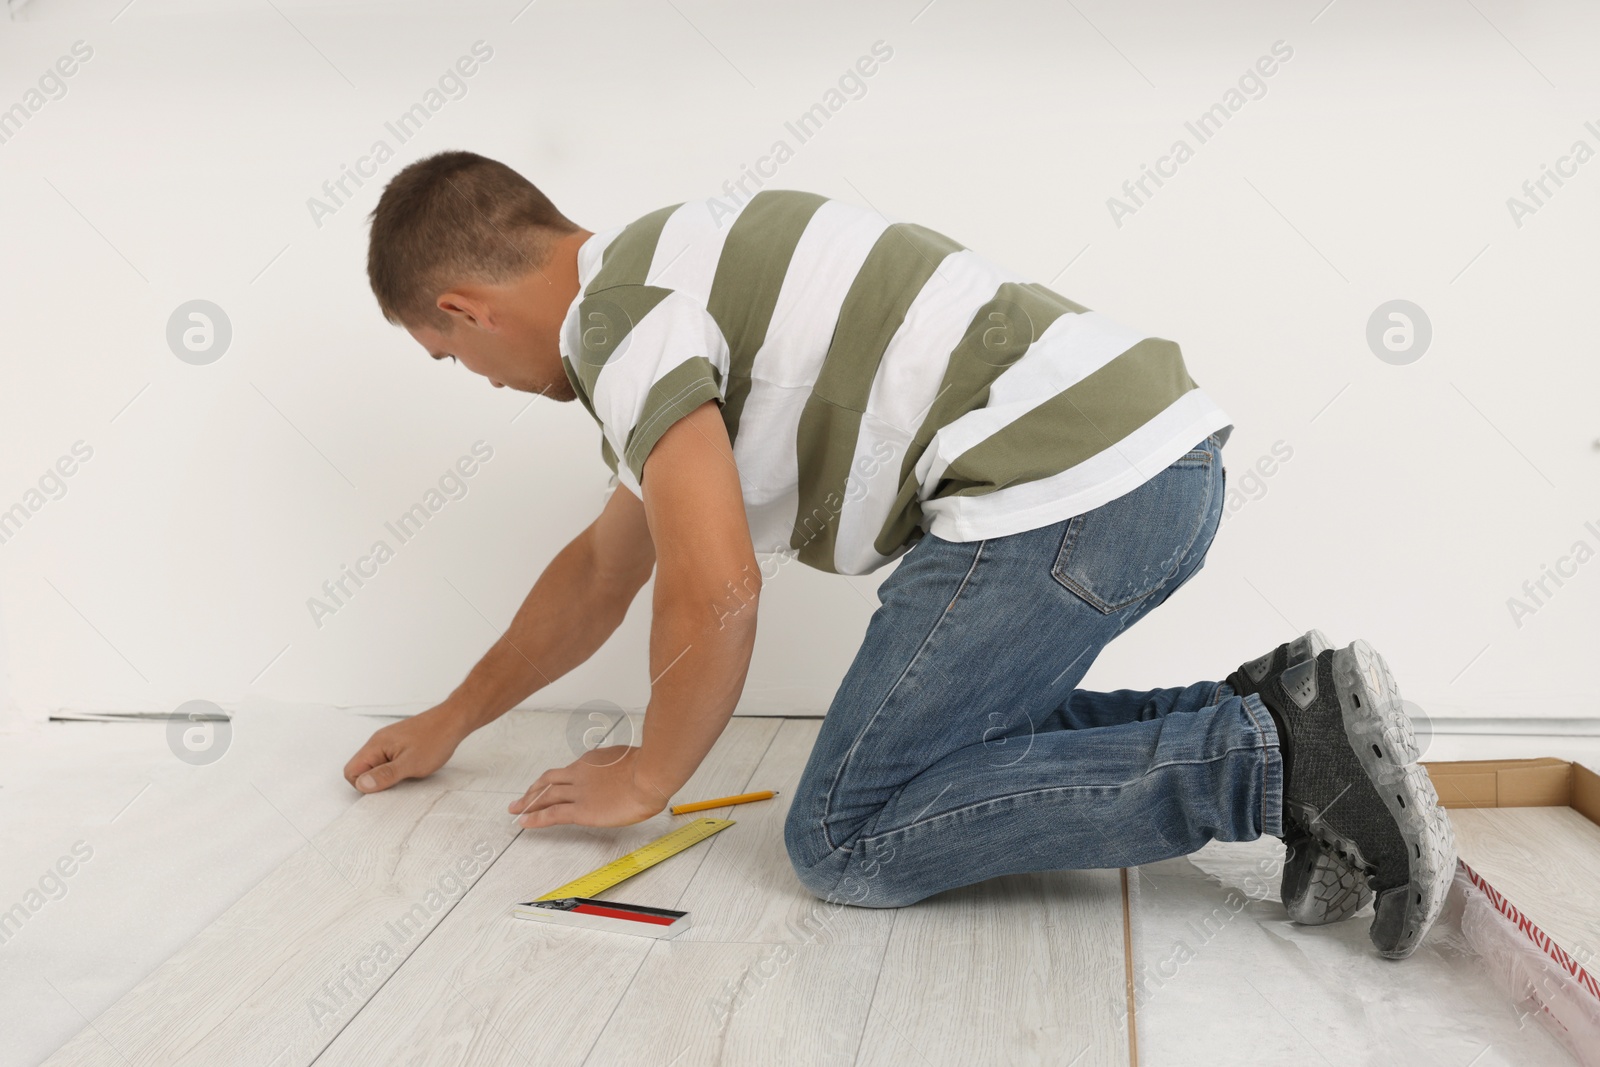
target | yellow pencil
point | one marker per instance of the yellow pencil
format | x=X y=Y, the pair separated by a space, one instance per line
x=743 y=798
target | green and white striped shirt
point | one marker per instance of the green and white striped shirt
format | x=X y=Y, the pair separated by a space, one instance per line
x=878 y=380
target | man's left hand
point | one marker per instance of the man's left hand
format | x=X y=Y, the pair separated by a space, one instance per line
x=596 y=789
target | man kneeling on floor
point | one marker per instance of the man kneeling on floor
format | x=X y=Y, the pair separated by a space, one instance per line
x=799 y=375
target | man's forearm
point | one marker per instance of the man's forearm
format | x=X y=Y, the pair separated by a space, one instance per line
x=699 y=659
x=566 y=617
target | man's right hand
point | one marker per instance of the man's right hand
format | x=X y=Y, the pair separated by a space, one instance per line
x=410 y=748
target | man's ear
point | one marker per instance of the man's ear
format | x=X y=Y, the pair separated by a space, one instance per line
x=466 y=308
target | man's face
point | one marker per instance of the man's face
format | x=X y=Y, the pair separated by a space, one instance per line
x=490 y=337
x=478 y=351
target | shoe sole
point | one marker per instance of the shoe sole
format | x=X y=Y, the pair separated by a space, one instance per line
x=1381 y=736
x=1320 y=887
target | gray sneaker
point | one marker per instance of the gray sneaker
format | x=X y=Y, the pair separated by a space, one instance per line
x=1319 y=886
x=1353 y=783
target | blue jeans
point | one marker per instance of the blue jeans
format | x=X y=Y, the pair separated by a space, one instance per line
x=958 y=748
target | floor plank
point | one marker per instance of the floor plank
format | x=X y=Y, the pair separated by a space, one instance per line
x=723 y=1004
x=1546 y=861
x=490 y=988
x=273 y=979
x=1028 y=963
x=276 y=975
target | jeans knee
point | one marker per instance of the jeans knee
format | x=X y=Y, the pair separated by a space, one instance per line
x=807 y=847
x=818 y=881
x=839 y=876
x=824 y=870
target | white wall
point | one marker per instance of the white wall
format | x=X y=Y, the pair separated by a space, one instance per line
x=219 y=498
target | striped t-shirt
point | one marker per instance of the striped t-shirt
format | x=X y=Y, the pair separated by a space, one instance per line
x=877 y=379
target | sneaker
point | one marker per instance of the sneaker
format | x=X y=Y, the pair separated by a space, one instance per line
x=1353 y=784
x=1318 y=885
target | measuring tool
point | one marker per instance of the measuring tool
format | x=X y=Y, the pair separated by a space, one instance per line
x=574 y=905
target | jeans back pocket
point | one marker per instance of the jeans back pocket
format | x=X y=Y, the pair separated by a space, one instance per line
x=1127 y=548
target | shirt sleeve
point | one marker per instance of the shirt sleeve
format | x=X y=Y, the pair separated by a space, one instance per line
x=652 y=356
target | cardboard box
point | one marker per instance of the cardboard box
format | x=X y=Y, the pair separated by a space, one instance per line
x=1539 y=974
x=1517 y=783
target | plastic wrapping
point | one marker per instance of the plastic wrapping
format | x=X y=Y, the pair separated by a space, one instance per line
x=1541 y=979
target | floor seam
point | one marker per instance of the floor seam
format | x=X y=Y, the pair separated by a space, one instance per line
x=412 y=954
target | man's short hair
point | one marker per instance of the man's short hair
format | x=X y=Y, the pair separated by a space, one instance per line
x=450 y=218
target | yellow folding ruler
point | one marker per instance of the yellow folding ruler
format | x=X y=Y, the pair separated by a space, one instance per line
x=640 y=859
x=574 y=905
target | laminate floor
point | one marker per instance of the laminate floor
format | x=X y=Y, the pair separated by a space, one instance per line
x=385 y=937
x=1546 y=861
x=387 y=940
